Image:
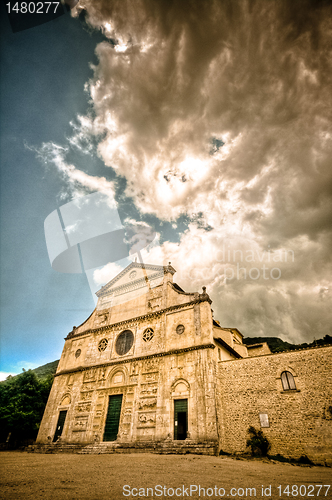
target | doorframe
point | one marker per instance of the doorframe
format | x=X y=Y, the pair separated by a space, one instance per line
x=57 y=421
x=173 y=417
x=106 y=413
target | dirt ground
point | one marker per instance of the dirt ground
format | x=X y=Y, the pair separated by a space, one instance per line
x=117 y=477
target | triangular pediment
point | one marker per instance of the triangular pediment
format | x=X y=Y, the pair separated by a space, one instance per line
x=133 y=274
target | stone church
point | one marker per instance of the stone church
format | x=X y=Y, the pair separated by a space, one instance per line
x=152 y=369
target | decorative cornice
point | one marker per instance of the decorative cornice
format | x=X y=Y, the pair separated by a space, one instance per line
x=203 y=297
x=137 y=358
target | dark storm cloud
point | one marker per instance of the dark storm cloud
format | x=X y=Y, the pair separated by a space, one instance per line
x=255 y=76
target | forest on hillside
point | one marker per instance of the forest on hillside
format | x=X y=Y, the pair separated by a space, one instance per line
x=22 y=403
x=278 y=345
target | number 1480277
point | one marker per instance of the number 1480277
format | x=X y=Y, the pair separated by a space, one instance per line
x=32 y=7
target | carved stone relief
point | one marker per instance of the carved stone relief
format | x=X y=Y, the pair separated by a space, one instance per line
x=150 y=377
x=134 y=368
x=90 y=375
x=86 y=395
x=118 y=378
x=83 y=407
x=149 y=389
x=151 y=364
x=115 y=390
x=154 y=304
x=102 y=318
x=147 y=419
x=144 y=404
x=102 y=373
x=80 y=424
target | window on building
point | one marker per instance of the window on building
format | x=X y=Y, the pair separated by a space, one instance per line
x=124 y=342
x=288 y=382
x=148 y=335
x=102 y=345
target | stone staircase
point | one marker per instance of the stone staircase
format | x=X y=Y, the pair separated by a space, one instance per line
x=164 y=447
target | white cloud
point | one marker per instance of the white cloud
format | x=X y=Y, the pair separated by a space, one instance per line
x=105 y=274
x=223 y=114
x=78 y=183
x=4 y=375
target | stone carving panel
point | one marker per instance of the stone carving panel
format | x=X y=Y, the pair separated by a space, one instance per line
x=147 y=419
x=101 y=319
x=118 y=378
x=146 y=404
x=102 y=373
x=148 y=390
x=115 y=390
x=90 y=375
x=80 y=424
x=150 y=377
x=83 y=407
x=151 y=365
x=135 y=368
x=154 y=303
x=86 y=395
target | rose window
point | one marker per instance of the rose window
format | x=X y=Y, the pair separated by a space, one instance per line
x=78 y=353
x=102 y=345
x=124 y=342
x=132 y=275
x=179 y=329
x=148 y=335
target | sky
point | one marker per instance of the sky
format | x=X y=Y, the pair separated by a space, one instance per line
x=205 y=127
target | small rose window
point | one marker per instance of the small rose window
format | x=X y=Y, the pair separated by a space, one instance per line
x=148 y=334
x=179 y=329
x=78 y=353
x=102 y=345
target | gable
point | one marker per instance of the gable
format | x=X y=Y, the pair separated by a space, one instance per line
x=133 y=276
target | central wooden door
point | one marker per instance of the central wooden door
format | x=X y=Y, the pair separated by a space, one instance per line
x=113 y=418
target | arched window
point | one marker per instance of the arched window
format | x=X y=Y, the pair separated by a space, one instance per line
x=288 y=382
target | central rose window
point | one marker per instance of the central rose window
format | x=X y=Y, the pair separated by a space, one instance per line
x=124 y=342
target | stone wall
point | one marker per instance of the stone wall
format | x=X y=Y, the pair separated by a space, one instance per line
x=149 y=387
x=300 y=421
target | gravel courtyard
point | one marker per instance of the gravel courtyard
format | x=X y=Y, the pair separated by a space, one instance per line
x=117 y=477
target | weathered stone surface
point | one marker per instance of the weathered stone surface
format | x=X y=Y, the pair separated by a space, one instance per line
x=176 y=351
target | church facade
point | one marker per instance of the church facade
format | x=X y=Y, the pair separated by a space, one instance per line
x=152 y=369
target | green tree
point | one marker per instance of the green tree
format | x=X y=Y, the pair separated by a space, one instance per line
x=22 y=403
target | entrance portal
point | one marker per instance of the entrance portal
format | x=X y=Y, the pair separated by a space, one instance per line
x=180 y=418
x=113 y=418
x=60 y=424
